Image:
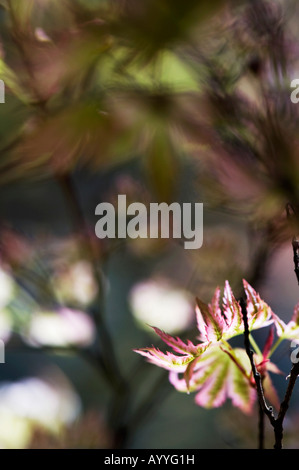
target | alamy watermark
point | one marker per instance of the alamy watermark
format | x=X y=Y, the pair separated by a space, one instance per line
x=180 y=221
x=2 y=92
x=294 y=95
x=2 y=352
x=295 y=352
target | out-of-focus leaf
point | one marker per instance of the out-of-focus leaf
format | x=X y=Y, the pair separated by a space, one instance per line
x=161 y=164
x=55 y=15
x=22 y=12
x=86 y=60
x=12 y=82
x=80 y=133
x=152 y=25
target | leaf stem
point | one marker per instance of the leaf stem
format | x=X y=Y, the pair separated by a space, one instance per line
x=254 y=345
x=275 y=346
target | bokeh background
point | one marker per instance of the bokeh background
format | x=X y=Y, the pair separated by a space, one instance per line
x=160 y=100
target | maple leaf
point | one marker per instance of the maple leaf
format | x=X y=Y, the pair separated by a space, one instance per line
x=225 y=373
x=211 y=367
x=169 y=360
x=259 y=314
x=217 y=378
x=288 y=330
x=214 y=324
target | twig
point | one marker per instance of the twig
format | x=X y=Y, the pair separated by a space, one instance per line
x=292 y=217
x=277 y=423
x=268 y=410
x=261 y=436
x=108 y=354
x=278 y=429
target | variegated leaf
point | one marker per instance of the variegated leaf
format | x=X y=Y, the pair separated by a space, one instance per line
x=215 y=325
x=210 y=321
x=258 y=312
x=232 y=313
x=217 y=378
x=288 y=330
x=180 y=346
x=168 y=361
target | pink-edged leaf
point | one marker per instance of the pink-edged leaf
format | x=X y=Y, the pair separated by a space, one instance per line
x=232 y=313
x=290 y=330
x=231 y=353
x=189 y=372
x=295 y=317
x=271 y=367
x=215 y=325
x=168 y=361
x=210 y=321
x=213 y=394
x=203 y=369
x=280 y=325
x=269 y=342
x=180 y=346
x=200 y=319
x=239 y=386
x=217 y=378
x=258 y=312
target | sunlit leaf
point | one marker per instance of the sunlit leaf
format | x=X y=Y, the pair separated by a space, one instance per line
x=178 y=345
x=167 y=361
x=215 y=324
x=288 y=330
x=258 y=312
x=213 y=368
x=210 y=322
x=217 y=378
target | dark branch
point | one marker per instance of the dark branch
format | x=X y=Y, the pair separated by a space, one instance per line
x=256 y=375
x=277 y=423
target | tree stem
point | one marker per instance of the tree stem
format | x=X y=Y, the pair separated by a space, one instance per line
x=277 y=423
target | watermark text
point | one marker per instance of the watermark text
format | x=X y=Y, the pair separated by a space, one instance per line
x=158 y=220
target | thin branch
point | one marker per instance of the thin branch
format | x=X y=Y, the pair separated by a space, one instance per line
x=278 y=429
x=292 y=217
x=268 y=410
x=261 y=436
x=277 y=423
x=80 y=227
